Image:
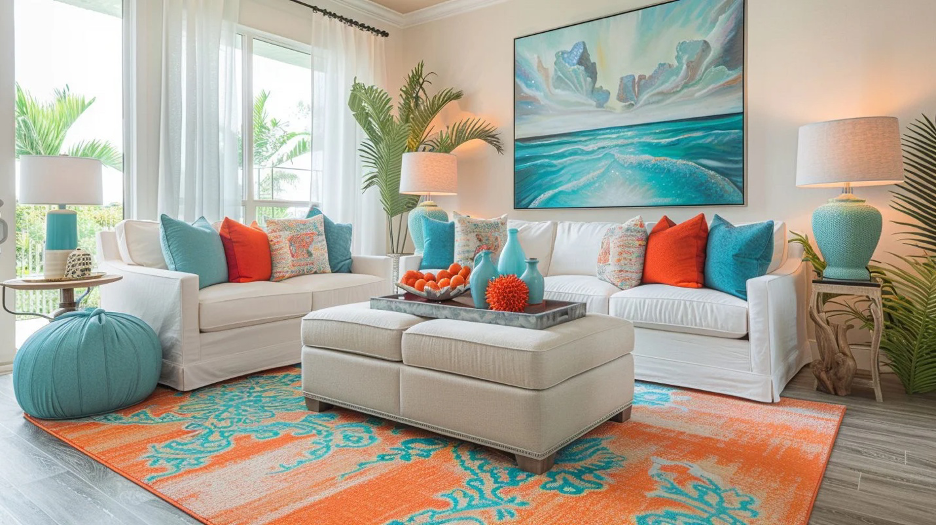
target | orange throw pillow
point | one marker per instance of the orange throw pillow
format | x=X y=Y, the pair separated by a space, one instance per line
x=676 y=253
x=247 y=249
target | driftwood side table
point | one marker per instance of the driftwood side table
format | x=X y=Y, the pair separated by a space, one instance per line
x=67 y=300
x=835 y=369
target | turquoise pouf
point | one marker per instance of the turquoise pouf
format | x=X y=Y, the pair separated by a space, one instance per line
x=86 y=363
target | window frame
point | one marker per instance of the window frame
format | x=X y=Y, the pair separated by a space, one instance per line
x=250 y=203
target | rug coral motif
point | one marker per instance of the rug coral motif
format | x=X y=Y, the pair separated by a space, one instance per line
x=248 y=451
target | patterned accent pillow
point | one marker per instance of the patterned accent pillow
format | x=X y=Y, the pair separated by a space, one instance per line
x=621 y=258
x=298 y=247
x=474 y=235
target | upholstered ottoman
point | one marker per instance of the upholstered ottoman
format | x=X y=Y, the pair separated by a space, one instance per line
x=523 y=391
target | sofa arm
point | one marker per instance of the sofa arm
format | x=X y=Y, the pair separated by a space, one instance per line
x=166 y=300
x=409 y=263
x=777 y=313
x=380 y=266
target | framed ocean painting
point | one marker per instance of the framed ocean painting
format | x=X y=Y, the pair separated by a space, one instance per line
x=643 y=108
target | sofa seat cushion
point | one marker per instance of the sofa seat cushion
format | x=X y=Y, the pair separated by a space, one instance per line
x=232 y=305
x=330 y=290
x=527 y=358
x=587 y=289
x=358 y=329
x=705 y=312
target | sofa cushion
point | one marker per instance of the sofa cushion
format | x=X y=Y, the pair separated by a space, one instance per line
x=247 y=250
x=527 y=358
x=676 y=309
x=676 y=253
x=536 y=238
x=587 y=289
x=193 y=248
x=232 y=305
x=473 y=235
x=780 y=247
x=338 y=237
x=138 y=243
x=621 y=259
x=735 y=254
x=439 y=244
x=329 y=290
x=576 y=248
x=358 y=329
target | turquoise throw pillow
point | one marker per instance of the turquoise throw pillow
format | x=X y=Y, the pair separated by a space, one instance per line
x=338 y=239
x=195 y=248
x=439 y=247
x=735 y=254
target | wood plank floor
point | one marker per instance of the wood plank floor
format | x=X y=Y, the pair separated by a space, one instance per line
x=882 y=470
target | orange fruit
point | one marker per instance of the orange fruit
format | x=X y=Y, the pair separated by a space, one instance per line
x=419 y=275
x=454 y=268
x=420 y=285
x=409 y=274
x=465 y=272
x=410 y=282
x=432 y=285
x=444 y=282
x=429 y=276
x=457 y=280
x=443 y=274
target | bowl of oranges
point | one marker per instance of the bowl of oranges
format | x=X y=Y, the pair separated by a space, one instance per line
x=440 y=286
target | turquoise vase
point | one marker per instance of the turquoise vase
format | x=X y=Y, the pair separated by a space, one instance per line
x=61 y=230
x=534 y=281
x=425 y=209
x=847 y=231
x=512 y=260
x=484 y=271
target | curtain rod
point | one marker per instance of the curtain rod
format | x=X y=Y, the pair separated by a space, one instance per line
x=349 y=21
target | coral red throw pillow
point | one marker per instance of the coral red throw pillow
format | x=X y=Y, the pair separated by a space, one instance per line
x=247 y=249
x=676 y=253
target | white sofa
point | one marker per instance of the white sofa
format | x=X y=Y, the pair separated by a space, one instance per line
x=697 y=338
x=224 y=330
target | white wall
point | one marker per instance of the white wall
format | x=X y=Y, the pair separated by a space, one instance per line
x=7 y=177
x=807 y=60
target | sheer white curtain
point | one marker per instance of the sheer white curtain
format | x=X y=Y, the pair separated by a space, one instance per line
x=198 y=153
x=343 y=53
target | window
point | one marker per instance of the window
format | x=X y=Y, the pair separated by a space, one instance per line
x=277 y=75
x=68 y=54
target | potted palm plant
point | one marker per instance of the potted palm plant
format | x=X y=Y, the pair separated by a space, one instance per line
x=389 y=136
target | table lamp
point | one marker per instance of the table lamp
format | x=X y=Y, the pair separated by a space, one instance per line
x=60 y=180
x=850 y=152
x=427 y=173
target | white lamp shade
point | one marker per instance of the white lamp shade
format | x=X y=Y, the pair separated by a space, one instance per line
x=429 y=173
x=60 y=180
x=863 y=151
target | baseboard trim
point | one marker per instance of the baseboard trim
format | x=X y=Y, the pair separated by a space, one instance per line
x=6 y=368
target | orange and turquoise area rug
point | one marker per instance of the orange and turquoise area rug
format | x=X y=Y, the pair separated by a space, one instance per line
x=248 y=451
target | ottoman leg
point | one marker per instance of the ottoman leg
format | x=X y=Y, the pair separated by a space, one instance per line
x=623 y=416
x=537 y=467
x=317 y=405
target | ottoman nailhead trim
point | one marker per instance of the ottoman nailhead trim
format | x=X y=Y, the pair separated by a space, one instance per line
x=464 y=436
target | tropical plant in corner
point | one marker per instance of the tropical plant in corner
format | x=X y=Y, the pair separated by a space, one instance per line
x=389 y=136
x=909 y=286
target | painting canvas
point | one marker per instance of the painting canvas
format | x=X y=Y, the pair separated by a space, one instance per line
x=644 y=108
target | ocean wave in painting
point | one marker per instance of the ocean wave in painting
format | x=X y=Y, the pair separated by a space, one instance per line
x=677 y=163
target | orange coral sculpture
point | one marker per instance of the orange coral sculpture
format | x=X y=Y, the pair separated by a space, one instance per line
x=507 y=293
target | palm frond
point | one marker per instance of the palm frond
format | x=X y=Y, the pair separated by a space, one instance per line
x=422 y=116
x=809 y=253
x=916 y=196
x=463 y=131
x=103 y=151
x=42 y=127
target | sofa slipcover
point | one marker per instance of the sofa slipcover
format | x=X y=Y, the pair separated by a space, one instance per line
x=231 y=305
x=703 y=311
x=590 y=290
x=329 y=290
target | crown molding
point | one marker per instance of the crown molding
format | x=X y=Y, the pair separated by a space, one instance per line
x=444 y=10
x=421 y=16
x=375 y=11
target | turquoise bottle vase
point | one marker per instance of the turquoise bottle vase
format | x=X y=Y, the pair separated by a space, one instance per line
x=512 y=259
x=484 y=271
x=847 y=231
x=534 y=281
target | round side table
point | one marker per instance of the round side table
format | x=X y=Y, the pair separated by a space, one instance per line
x=67 y=301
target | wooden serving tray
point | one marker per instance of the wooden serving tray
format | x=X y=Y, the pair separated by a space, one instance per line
x=542 y=316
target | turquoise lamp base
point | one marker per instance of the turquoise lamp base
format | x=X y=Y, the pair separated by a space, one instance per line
x=847 y=231
x=425 y=209
x=61 y=240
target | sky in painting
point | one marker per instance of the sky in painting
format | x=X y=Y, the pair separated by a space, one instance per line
x=677 y=60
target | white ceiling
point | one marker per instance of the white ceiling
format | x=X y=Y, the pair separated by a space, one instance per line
x=407 y=6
